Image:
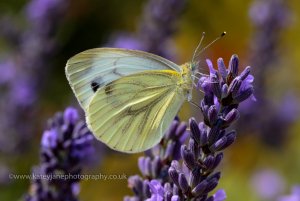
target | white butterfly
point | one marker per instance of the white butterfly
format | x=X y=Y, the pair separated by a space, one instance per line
x=130 y=97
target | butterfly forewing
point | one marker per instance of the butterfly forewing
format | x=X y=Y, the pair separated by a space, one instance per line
x=132 y=113
x=91 y=70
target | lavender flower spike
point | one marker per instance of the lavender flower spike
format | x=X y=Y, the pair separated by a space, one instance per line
x=196 y=174
x=65 y=146
x=29 y=64
x=270 y=20
x=194 y=177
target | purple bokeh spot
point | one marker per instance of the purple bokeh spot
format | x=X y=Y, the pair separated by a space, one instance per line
x=8 y=72
x=37 y=9
x=294 y=196
x=22 y=93
x=220 y=195
x=127 y=42
x=267 y=183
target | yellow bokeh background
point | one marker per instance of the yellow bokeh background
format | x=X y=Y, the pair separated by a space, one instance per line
x=98 y=20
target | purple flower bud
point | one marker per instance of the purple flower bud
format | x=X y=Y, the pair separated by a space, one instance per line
x=202 y=126
x=188 y=157
x=175 y=164
x=212 y=114
x=176 y=153
x=175 y=190
x=216 y=176
x=167 y=187
x=216 y=89
x=230 y=138
x=146 y=189
x=218 y=159
x=224 y=142
x=183 y=183
x=148 y=165
x=222 y=69
x=200 y=188
x=234 y=65
x=224 y=90
x=204 y=83
x=211 y=185
x=142 y=165
x=174 y=175
x=212 y=71
x=170 y=134
x=195 y=176
x=183 y=137
x=208 y=99
x=175 y=198
x=209 y=162
x=168 y=196
x=203 y=134
x=156 y=189
x=214 y=133
x=195 y=131
x=243 y=94
x=71 y=115
x=156 y=166
x=219 y=145
x=49 y=139
x=235 y=86
x=232 y=116
x=136 y=183
x=245 y=73
x=170 y=150
x=181 y=129
x=205 y=112
x=194 y=148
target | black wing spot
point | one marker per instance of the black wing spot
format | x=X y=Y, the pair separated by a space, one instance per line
x=95 y=86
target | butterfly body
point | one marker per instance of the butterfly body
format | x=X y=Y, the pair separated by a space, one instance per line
x=187 y=79
x=129 y=97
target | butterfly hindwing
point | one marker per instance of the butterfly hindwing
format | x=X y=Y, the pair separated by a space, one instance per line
x=90 y=70
x=132 y=113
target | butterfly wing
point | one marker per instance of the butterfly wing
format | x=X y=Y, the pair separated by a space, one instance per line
x=132 y=113
x=94 y=68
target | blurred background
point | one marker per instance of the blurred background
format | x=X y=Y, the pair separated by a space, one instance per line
x=37 y=37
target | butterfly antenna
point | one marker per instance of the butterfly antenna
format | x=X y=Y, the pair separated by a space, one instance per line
x=212 y=42
x=198 y=46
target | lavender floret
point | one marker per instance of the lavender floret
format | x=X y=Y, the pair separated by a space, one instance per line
x=65 y=147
